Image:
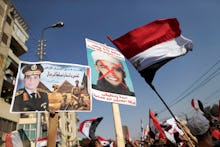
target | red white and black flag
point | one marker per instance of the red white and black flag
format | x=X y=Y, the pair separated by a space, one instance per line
x=152 y=45
x=17 y=138
x=104 y=142
x=88 y=127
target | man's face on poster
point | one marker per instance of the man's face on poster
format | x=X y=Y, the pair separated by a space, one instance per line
x=31 y=82
x=112 y=72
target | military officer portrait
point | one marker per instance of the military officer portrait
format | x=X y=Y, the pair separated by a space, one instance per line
x=30 y=98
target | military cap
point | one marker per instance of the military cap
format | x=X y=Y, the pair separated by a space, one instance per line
x=32 y=69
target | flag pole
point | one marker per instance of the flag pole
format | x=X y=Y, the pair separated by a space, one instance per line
x=153 y=88
x=118 y=125
x=142 y=134
x=52 y=131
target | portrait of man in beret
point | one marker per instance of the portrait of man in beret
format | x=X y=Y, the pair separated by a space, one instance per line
x=30 y=98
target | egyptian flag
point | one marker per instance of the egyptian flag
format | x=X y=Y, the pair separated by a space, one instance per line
x=88 y=127
x=43 y=141
x=104 y=142
x=197 y=105
x=156 y=124
x=152 y=45
x=170 y=128
x=17 y=138
x=194 y=105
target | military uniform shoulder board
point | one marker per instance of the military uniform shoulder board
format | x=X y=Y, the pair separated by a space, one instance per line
x=19 y=92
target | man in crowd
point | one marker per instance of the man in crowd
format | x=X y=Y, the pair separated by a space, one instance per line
x=199 y=126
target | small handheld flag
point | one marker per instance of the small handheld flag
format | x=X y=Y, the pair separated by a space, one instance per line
x=156 y=124
x=88 y=127
x=17 y=138
x=104 y=142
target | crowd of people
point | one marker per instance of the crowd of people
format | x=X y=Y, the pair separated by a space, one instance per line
x=199 y=131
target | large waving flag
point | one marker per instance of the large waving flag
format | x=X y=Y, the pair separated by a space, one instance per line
x=16 y=139
x=151 y=46
x=88 y=127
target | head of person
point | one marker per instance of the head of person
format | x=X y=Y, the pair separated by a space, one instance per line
x=32 y=74
x=77 y=82
x=95 y=143
x=64 y=97
x=198 y=124
x=109 y=68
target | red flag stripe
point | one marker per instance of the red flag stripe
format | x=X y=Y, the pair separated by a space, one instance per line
x=194 y=105
x=146 y=36
x=8 y=141
x=157 y=124
x=82 y=123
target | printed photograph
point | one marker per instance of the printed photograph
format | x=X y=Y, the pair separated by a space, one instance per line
x=41 y=85
x=111 y=81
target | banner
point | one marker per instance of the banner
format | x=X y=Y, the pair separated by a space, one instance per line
x=40 y=85
x=111 y=81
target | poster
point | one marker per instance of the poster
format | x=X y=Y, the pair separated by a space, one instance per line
x=41 y=85
x=111 y=81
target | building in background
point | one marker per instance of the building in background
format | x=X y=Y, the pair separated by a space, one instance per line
x=13 y=38
x=67 y=129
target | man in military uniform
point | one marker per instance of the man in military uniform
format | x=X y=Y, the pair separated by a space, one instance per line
x=64 y=105
x=76 y=94
x=30 y=98
x=76 y=89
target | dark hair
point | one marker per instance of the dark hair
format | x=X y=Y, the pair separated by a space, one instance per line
x=93 y=142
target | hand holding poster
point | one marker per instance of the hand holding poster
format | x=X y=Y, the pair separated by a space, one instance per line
x=39 y=85
x=110 y=79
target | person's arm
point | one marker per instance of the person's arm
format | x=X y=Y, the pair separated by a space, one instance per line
x=53 y=125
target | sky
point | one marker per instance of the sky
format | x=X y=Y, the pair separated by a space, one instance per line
x=195 y=75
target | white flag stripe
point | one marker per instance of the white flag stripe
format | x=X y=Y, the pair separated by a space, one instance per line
x=16 y=139
x=86 y=128
x=41 y=143
x=172 y=48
